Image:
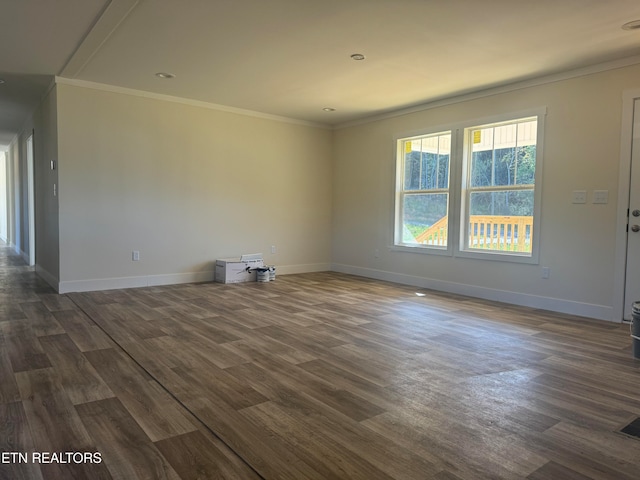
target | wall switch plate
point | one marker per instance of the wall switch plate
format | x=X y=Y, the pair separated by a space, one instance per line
x=579 y=196
x=546 y=271
x=273 y=249
x=600 y=196
x=135 y=256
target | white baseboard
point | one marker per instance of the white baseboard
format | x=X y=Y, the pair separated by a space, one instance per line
x=600 y=312
x=134 y=282
x=305 y=268
x=168 y=279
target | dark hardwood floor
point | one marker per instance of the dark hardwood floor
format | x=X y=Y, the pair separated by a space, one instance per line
x=313 y=376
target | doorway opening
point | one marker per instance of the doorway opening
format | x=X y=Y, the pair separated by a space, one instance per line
x=4 y=233
x=31 y=202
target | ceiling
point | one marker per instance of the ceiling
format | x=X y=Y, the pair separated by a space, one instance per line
x=292 y=58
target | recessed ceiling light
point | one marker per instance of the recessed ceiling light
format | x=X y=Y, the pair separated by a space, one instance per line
x=165 y=75
x=328 y=109
x=635 y=25
x=358 y=56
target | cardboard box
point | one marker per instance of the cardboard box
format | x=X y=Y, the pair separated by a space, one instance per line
x=238 y=269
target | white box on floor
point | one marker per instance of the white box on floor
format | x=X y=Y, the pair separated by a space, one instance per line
x=238 y=269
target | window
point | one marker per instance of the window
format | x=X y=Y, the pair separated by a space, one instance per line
x=424 y=190
x=475 y=196
x=501 y=165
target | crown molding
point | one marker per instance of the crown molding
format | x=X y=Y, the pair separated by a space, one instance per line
x=186 y=101
x=511 y=87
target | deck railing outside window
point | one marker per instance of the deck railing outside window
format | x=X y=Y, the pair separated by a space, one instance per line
x=486 y=232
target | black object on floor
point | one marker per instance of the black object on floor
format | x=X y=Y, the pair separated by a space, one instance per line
x=633 y=428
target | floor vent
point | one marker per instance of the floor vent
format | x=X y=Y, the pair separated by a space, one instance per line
x=633 y=428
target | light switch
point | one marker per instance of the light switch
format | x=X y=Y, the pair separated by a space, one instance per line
x=600 y=196
x=579 y=196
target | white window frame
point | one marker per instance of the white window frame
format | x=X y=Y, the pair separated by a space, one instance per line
x=458 y=194
x=399 y=245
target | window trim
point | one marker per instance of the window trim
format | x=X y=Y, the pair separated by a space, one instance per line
x=458 y=166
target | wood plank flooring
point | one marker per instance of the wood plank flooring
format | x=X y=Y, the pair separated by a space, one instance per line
x=313 y=376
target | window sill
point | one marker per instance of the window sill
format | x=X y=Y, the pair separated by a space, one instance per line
x=499 y=256
x=488 y=255
x=445 y=251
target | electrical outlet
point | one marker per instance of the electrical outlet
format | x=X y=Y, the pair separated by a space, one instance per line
x=135 y=256
x=546 y=271
x=273 y=249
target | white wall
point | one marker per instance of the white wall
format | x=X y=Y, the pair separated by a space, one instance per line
x=184 y=185
x=45 y=125
x=581 y=152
